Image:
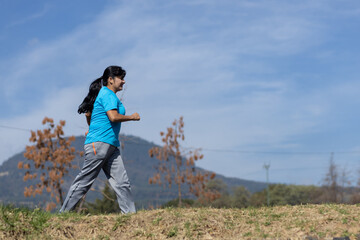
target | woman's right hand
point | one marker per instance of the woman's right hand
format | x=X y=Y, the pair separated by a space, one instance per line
x=135 y=116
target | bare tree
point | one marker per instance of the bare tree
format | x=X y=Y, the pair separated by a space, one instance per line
x=51 y=157
x=344 y=181
x=330 y=182
x=177 y=165
x=355 y=197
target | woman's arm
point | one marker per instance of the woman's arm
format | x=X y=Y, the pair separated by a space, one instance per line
x=88 y=117
x=114 y=116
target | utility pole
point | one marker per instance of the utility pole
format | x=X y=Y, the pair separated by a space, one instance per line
x=267 y=166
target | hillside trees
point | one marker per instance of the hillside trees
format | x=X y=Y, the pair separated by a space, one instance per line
x=241 y=197
x=177 y=165
x=50 y=158
x=216 y=186
x=282 y=194
x=108 y=203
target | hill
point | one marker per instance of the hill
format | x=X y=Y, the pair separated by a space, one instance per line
x=282 y=222
x=139 y=167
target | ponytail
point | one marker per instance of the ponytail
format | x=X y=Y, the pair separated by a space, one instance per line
x=88 y=103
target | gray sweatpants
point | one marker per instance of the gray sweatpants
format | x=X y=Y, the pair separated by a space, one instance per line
x=99 y=156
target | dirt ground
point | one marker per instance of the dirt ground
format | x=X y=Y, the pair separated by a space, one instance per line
x=282 y=222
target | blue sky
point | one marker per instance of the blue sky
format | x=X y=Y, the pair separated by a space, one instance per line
x=256 y=81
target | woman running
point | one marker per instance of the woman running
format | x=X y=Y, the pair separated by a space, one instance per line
x=104 y=113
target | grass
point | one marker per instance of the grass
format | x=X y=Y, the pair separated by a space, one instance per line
x=22 y=221
x=173 y=232
x=316 y=221
x=121 y=221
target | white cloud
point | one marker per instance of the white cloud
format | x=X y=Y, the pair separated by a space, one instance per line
x=31 y=17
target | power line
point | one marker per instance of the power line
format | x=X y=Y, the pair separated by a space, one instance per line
x=278 y=152
x=230 y=150
x=15 y=128
x=286 y=169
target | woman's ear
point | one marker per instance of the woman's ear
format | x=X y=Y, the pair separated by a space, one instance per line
x=110 y=80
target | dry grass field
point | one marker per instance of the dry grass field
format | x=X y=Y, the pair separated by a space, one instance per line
x=282 y=222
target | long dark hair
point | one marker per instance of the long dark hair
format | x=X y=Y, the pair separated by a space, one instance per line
x=88 y=104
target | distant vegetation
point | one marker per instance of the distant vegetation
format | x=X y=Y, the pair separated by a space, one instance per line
x=240 y=197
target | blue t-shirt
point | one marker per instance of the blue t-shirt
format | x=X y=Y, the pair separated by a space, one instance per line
x=101 y=128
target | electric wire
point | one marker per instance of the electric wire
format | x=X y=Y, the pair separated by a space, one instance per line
x=132 y=139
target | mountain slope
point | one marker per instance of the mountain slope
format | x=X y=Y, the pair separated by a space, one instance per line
x=139 y=167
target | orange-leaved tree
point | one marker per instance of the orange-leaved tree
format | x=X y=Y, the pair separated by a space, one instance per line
x=51 y=157
x=177 y=165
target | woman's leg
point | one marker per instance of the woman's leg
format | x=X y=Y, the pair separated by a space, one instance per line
x=119 y=181
x=95 y=153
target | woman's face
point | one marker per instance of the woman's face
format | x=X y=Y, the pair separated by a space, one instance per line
x=116 y=83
